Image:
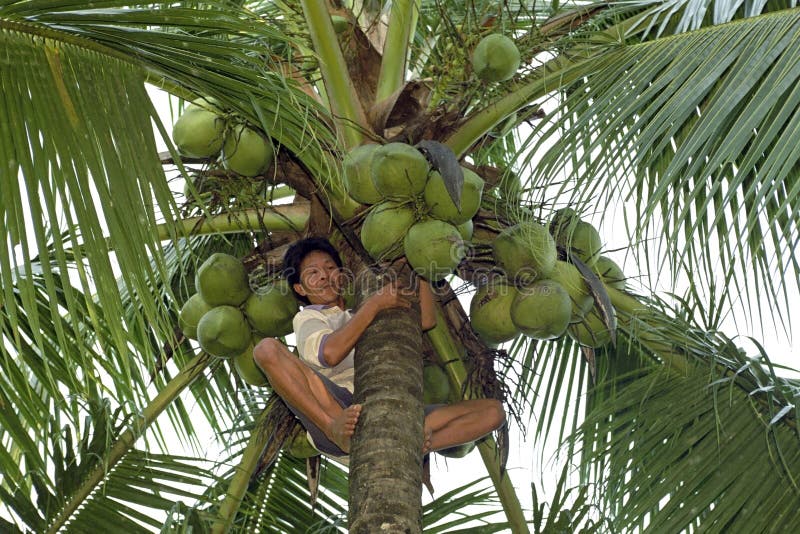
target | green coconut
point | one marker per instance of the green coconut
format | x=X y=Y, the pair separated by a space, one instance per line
x=224 y=332
x=525 y=251
x=433 y=248
x=571 y=279
x=542 y=310
x=399 y=171
x=563 y=218
x=610 y=272
x=442 y=207
x=198 y=132
x=490 y=312
x=495 y=58
x=581 y=239
x=465 y=229
x=222 y=279
x=247 y=152
x=297 y=444
x=459 y=451
x=270 y=311
x=435 y=385
x=340 y=23
x=191 y=313
x=357 y=174
x=591 y=332
x=384 y=228
x=248 y=370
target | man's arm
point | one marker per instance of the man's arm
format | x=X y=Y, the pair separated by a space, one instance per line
x=340 y=342
x=427 y=305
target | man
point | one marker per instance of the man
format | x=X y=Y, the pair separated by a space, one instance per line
x=318 y=387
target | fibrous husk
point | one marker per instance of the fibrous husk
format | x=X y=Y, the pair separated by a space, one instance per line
x=525 y=251
x=610 y=272
x=222 y=279
x=570 y=278
x=248 y=370
x=358 y=176
x=247 y=152
x=435 y=385
x=442 y=207
x=199 y=132
x=542 y=310
x=191 y=313
x=496 y=58
x=224 y=332
x=384 y=228
x=490 y=312
x=433 y=248
x=270 y=311
x=399 y=171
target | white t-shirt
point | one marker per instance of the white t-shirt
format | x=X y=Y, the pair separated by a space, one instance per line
x=312 y=325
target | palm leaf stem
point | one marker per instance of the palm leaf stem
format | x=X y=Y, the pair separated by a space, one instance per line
x=402 y=24
x=547 y=78
x=444 y=343
x=241 y=479
x=127 y=439
x=348 y=113
x=281 y=218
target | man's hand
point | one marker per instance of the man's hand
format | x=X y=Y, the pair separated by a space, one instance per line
x=390 y=296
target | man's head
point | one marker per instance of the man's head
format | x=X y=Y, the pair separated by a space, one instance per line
x=309 y=266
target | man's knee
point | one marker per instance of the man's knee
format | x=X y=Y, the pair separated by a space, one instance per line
x=268 y=353
x=496 y=413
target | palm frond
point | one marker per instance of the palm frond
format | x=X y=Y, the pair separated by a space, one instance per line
x=644 y=126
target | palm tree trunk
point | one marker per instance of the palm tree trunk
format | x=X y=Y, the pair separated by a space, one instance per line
x=385 y=455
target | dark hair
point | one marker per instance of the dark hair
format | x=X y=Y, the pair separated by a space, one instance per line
x=297 y=253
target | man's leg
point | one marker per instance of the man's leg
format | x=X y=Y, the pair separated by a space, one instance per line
x=462 y=422
x=299 y=385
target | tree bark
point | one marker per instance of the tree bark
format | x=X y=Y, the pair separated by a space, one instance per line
x=386 y=450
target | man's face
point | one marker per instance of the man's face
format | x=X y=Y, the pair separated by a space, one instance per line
x=320 y=279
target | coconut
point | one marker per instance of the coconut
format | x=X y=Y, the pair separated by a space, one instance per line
x=442 y=206
x=459 y=451
x=495 y=58
x=224 y=332
x=433 y=248
x=435 y=385
x=248 y=370
x=246 y=152
x=563 y=218
x=222 y=279
x=591 y=332
x=610 y=272
x=198 y=132
x=191 y=313
x=297 y=444
x=542 y=310
x=357 y=174
x=465 y=229
x=490 y=312
x=581 y=239
x=270 y=311
x=399 y=170
x=384 y=228
x=340 y=23
x=571 y=279
x=525 y=251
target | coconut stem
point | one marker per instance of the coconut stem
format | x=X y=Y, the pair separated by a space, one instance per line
x=402 y=24
x=241 y=479
x=447 y=348
x=126 y=440
x=289 y=217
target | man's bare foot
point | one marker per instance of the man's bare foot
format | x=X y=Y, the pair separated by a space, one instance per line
x=426 y=441
x=343 y=426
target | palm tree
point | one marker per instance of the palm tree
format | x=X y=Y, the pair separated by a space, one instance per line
x=684 y=112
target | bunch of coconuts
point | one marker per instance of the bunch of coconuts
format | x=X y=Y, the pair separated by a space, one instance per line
x=540 y=295
x=412 y=213
x=204 y=131
x=227 y=318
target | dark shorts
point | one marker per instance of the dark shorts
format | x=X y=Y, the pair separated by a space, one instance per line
x=344 y=397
